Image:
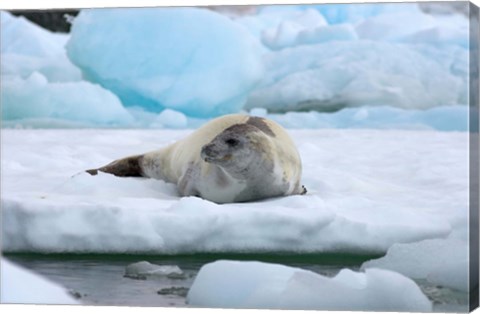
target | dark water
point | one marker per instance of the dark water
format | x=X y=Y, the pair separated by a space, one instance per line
x=99 y=280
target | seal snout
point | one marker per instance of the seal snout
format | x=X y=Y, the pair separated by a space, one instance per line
x=209 y=152
x=215 y=154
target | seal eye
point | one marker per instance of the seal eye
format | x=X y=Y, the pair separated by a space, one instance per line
x=231 y=142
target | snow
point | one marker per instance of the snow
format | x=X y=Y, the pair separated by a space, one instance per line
x=367 y=190
x=144 y=269
x=22 y=286
x=440 y=261
x=161 y=69
x=230 y=284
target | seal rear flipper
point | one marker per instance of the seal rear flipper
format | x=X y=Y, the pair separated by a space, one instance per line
x=126 y=167
x=304 y=190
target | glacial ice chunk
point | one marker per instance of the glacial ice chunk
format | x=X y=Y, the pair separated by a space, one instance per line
x=144 y=269
x=232 y=284
x=21 y=36
x=355 y=13
x=82 y=102
x=170 y=119
x=331 y=76
x=286 y=33
x=26 y=48
x=187 y=59
x=440 y=261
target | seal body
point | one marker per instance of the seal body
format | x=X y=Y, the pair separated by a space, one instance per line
x=234 y=158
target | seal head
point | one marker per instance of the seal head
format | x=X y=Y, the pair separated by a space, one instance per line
x=233 y=149
x=245 y=155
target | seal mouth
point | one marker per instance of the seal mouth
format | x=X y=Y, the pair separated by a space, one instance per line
x=217 y=159
x=226 y=157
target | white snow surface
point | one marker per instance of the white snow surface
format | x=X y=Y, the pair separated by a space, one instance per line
x=367 y=190
x=22 y=286
x=232 y=284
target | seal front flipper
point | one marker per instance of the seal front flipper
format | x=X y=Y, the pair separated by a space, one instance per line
x=125 y=167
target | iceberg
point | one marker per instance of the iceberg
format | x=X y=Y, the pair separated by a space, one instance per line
x=42 y=88
x=366 y=55
x=83 y=103
x=232 y=284
x=447 y=118
x=418 y=28
x=27 y=48
x=353 y=66
x=331 y=76
x=186 y=59
x=358 y=12
x=23 y=37
x=286 y=33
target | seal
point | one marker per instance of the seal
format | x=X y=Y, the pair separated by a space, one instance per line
x=233 y=158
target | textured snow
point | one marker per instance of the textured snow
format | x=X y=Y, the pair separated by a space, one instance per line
x=230 y=284
x=367 y=190
x=22 y=286
x=177 y=58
